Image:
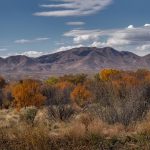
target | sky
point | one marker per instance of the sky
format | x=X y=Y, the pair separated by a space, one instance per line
x=38 y=27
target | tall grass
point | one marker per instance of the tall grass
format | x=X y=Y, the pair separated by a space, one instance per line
x=74 y=135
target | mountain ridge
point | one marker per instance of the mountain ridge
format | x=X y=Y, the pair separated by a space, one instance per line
x=77 y=60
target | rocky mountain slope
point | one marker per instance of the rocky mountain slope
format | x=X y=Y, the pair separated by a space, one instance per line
x=77 y=60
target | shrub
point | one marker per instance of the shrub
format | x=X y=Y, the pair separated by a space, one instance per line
x=86 y=120
x=52 y=80
x=127 y=106
x=74 y=79
x=56 y=96
x=64 y=85
x=2 y=82
x=61 y=112
x=28 y=114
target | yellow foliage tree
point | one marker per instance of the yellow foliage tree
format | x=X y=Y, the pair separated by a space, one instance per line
x=81 y=95
x=52 y=81
x=74 y=79
x=27 y=93
x=108 y=74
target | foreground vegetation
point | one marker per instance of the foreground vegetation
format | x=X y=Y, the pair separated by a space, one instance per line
x=108 y=111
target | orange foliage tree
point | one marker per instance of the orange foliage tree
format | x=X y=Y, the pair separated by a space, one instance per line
x=81 y=96
x=27 y=93
x=131 y=81
x=64 y=85
x=108 y=74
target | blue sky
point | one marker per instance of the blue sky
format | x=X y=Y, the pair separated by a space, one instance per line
x=37 y=27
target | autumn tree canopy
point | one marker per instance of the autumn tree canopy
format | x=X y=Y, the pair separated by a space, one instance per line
x=74 y=79
x=64 y=85
x=108 y=74
x=27 y=93
x=81 y=95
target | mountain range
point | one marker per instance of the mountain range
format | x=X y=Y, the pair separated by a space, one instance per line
x=77 y=60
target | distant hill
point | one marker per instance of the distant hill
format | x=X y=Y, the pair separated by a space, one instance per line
x=78 y=60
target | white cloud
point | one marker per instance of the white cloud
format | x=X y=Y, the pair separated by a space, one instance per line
x=75 y=23
x=83 y=38
x=129 y=38
x=41 y=39
x=80 y=36
x=147 y=25
x=22 y=41
x=74 y=8
x=26 y=53
x=143 y=47
x=98 y=44
x=64 y=48
x=130 y=27
x=27 y=41
x=114 y=36
x=32 y=53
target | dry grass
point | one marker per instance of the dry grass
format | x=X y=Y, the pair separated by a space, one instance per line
x=81 y=132
x=24 y=137
x=143 y=127
x=8 y=118
x=99 y=127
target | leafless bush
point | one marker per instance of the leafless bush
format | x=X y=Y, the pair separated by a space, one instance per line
x=56 y=96
x=126 y=106
x=60 y=112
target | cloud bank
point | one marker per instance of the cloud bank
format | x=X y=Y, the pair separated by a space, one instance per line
x=136 y=39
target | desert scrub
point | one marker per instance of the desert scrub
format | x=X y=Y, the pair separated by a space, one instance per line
x=28 y=114
x=28 y=137
x=60 y=112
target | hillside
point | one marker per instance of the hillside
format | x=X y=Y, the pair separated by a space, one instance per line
x=77 y=60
